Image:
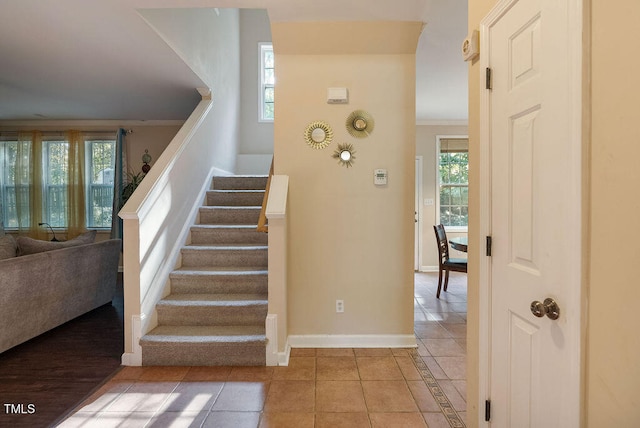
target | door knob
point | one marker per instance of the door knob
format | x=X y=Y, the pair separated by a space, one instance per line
x=549 y=308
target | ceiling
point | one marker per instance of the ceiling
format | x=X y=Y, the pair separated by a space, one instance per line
x=91 y=60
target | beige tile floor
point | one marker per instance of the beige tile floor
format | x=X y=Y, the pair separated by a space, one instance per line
x=320 y=387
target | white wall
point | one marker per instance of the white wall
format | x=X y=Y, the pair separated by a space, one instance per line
x=256 y=138
x=210 y=44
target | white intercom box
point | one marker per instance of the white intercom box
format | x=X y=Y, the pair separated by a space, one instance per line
x=380 y=177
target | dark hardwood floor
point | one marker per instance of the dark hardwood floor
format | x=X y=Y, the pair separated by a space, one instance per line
x=43 y=379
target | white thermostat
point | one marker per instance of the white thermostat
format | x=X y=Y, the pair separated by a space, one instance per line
x=380 y=177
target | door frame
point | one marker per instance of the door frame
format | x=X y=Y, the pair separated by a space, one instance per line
x=577 y=189
x=418 y=216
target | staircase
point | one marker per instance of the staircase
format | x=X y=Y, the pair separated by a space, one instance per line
x=215 y=314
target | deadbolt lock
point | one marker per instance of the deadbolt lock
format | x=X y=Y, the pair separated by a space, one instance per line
x=549 y=308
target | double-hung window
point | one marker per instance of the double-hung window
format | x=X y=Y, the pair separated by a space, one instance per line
x=52 y=168
x=100 y=160
x=55 y=152
x=8 y=187
x=453 y=179
x=267 y=82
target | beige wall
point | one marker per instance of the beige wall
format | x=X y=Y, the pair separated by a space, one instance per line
x=613 y=346
x=152 y=138
x=349 y=239
x=426 y=147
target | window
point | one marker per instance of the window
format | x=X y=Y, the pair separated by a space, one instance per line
x=99 y=174
x=56 y=159
x=267 y=82
x=453 y=178
x=101 y=154
x=8 y=189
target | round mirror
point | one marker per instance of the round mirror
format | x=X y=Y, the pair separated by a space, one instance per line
x=345 y=154
x=359 y=124
x=318 y=135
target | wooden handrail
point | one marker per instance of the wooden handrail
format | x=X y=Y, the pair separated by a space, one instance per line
x=262 y=221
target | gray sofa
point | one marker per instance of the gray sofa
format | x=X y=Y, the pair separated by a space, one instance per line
x=44 y=290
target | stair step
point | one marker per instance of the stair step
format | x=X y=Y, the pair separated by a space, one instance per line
x=230 y=215
x=227 y=255
x=204 y=346
x=212 y=309
x=234 y=197
x=227 y=234
x=216 y=312
x=239 y=182
x=220 y=281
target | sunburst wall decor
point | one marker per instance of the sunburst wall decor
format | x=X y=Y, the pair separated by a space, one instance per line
x=318 y=135
x=345 y=154
x=360 y=124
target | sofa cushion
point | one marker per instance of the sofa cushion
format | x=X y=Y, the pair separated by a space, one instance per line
x=8 y=247
x=28 y=245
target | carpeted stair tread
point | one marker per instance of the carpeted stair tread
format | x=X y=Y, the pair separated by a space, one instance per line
x=219 y=280
x=225 y=247
x=230 y=215
x=258 y=182
x=204 y=334
x=240 y=191
x=214 y=299
x=251 y=227
x=219 y=270
x=234 y=197
x=231 y=207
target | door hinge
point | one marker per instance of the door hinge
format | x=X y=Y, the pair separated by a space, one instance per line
x=488 y=244
x=487 y=80
x=487 y=410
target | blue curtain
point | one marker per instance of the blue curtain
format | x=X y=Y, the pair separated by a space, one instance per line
x=118 y=184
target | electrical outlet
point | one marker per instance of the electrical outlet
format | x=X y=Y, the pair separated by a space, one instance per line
x=339 y=306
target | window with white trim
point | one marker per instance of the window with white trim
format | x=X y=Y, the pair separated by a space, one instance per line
x=267 y=82
x=99 y=168
x=101 y=160
x=453 y=180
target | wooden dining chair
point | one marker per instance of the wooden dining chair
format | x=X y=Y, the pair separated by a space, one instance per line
x=446 y=264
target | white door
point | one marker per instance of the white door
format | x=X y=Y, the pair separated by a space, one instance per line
x=534 y=53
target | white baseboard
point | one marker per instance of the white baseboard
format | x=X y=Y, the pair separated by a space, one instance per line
x=283 y=357
x=217 y=172
x=131 y=359
x=353 y=341
x=429 y=268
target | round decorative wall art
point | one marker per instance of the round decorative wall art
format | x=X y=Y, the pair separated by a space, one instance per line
x=318 y=135
x=360 y=124
x=345 y=154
